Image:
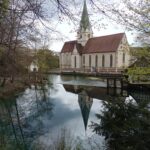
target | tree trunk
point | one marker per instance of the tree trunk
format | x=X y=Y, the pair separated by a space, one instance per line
x=3 y=82
x=12 y=79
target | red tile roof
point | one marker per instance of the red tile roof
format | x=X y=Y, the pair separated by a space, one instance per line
x=69 y=46
x=102 y=44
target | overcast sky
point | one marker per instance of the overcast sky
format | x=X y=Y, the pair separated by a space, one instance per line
x=111 y=29
x=100 y=25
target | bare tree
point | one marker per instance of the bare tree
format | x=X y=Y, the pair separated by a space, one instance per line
x=133 y=14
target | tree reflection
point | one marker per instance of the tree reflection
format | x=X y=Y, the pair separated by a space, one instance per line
x=11 y=132
x=18 y=131
x=42 y=99
x=125 y=124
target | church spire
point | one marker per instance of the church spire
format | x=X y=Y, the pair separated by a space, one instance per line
x=85 y=30
x=85 y=23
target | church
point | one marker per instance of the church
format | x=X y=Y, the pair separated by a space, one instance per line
x=88 y=53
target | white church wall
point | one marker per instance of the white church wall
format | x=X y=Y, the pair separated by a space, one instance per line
x=92 y=60
x=75 y=55
x=123 y=54
x=78 y=61
x=68 y=59
x=99 y=61
x=123 y=59
x=86 y=64
x=65 y=60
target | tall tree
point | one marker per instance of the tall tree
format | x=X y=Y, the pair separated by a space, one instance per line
x=46 y=60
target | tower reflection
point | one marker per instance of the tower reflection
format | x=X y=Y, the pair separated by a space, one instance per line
x=85 y=103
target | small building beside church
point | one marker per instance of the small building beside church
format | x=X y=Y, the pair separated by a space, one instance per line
x=90 y=53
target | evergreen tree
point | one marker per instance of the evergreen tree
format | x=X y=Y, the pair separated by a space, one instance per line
x=125 y=124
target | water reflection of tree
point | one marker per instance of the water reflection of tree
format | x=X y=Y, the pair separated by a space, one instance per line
x=41 y=110
x=125 y=124
x=42 y=99
x=16 y=131
x=11 y=132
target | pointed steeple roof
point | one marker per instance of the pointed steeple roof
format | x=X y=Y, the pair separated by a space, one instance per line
x=85 y=23
x=85 y=106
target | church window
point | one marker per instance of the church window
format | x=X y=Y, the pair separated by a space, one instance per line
x=80 y=36
x=90 y=60
x=83 y=59
x=103 y=61
x=111 y=60
x=96 y=61
x=123 y=59
x=88 y=35
x=75 y=61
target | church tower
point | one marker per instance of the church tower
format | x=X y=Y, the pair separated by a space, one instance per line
x=85 y=30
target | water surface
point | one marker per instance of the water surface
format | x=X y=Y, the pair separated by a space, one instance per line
x=38 y=115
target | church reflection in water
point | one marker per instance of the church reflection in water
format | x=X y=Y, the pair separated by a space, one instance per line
x=87 y=93
x=85 y=100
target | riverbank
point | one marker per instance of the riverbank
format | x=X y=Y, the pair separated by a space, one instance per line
x=139 y=86
x=20 y=84
x=11 y=89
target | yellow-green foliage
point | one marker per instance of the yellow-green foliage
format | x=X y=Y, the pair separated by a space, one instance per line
x=141 y=52
x=139 y=71
x=3 y=7
x=46 y=60
x=141 y=68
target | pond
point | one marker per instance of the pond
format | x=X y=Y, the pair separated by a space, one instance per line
x=66 y=107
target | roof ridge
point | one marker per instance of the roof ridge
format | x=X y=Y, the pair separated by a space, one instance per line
x=107 y=35
x=71 y=41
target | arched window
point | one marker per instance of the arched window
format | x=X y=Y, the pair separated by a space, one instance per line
x=89 y=60
x=103 y=61
x=111 y=60
x=75 y=61
x=96 y=61
x=124 y=57
x=83 y=59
